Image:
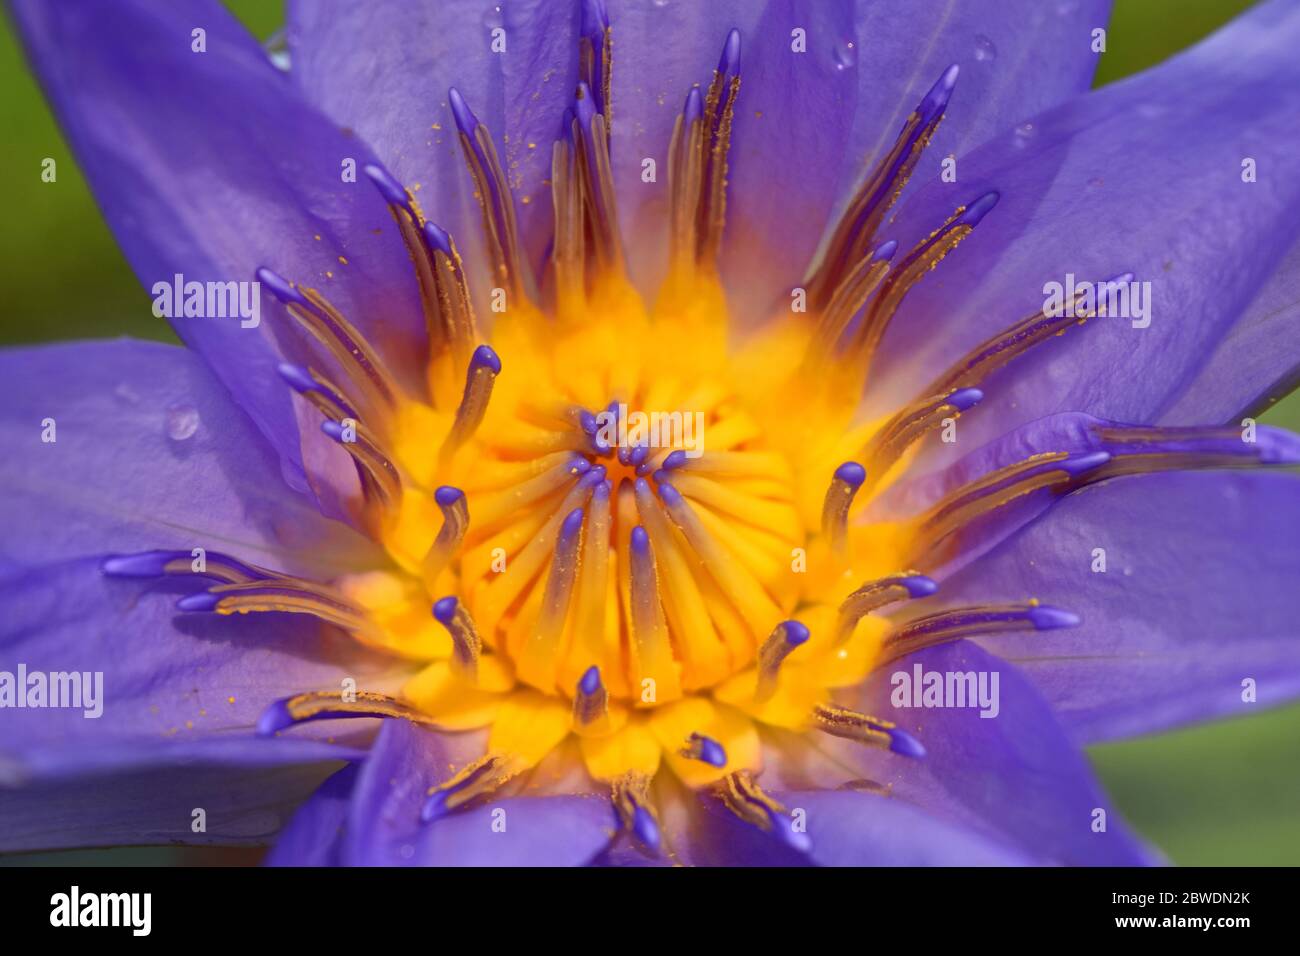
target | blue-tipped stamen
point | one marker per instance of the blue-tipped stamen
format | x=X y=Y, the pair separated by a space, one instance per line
x=152 y=564
x=743 y=797
x=455 y=522
x=846 y=481
x=705 y=750
x=590 y=700
x=466 y=646
x=787 y=636
x=851 y=725
x=332 y=705
x=484 y=367
x=876 y=594
x=857 y=227
x=955 y=623
x=324 y=396
x=630 y=795
x=994 y=353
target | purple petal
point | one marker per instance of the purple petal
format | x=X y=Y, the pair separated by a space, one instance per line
x=1145 y=177
x=243 y=802
x=167 y=677
x=1016 y=777
x=314 y=834
x=149 y=453
x=1198 y=595
x=384 y=828
x=1256 y=364
x=210 y=165
x=848 y=828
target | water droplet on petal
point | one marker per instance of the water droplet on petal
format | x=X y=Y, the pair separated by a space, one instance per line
x=492 y=18
x=126 y=394
x=845 y=55
x=182 y=422
x=1025 y=133
x=985 y=51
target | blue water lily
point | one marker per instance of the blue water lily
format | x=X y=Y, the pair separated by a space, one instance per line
x=728 y=433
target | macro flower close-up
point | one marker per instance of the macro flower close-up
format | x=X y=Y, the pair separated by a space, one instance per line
x=650 y=432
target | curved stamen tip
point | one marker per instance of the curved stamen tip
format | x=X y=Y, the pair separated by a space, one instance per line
x=1047 y=618
x=280 y=287
x=448 y=495
x=444 y=609
x=786 y=833
x=729 y=62
x=572 y=523
x=918 y=585
x=675 y=459
x=332 y=428
x=146 y=564
x=706 y=750
x=851 y=473
x=589 y=684
x=646 y=828
x=668 y=494
x=885 y=251
x=979 y=208
x=437 y=237
x=965 y=398
x=640 y=539
x=693 y=109
x=796 y=632
x=388 y=187
x=199 y=601
x=485 y=357
x=937 y=98
x=1084 y=463
x=275 y=718
x=297 y=376
x=435 y=806
x=466 y=121
x=901 y=742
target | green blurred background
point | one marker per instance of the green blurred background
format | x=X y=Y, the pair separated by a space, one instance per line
x=1223 y=793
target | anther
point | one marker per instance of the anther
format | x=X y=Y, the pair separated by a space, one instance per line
x=955 y=623
x=590 y=701
x=465 y=642
x=851 y=725
x=848 y=478
x=705 y=750
x=455 y=522
x=152 y=564
x=332 y=705
x=484 y=367
x=876 y=594
x=780 y=643
x=630 y=795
